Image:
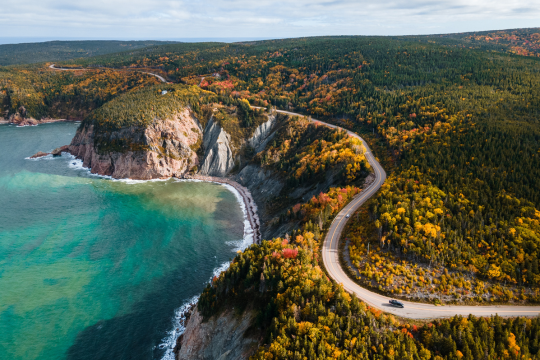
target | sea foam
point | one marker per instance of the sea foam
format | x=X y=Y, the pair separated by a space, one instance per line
x=179 y=321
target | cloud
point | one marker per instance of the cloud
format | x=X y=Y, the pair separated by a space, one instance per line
x=263 y=18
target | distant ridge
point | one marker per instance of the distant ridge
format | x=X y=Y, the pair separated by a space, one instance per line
x=36 y=52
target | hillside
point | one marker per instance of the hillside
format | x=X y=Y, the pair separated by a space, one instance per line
x=456 y=128
x=524 y=42
x=173 y=130
x=30 y=53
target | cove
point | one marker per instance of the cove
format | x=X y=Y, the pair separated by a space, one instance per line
x=92 y=268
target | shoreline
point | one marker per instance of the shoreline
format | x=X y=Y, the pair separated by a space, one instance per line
x=251 y=207
x=37 y=122
x=171 y=342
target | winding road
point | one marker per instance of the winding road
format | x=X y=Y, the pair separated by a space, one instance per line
x=330 y=254
x=161 y=78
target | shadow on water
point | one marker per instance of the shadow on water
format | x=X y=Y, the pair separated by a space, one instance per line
x=136 y=334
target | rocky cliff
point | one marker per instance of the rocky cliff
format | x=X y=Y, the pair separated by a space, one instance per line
x=219 y=151
x=21 y=118
x=218 y=154
x=263 y=134
x=159 y=150
x=223 y=337
x=164 y=148
x=264 y=186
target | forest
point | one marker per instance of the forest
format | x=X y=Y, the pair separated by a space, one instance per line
x=306 y=153
x=46 y=93
x=31 y=53
x=455 y=121
x=524 y=42
x=309 y=317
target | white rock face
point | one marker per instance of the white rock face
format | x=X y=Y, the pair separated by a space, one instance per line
x=218 y=155
x=263 y=134
x=218 y=151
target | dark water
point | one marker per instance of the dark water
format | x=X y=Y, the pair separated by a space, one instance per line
x=92 y=268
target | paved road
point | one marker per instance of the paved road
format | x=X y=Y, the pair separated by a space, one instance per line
x=161 y=78
x=411 y=310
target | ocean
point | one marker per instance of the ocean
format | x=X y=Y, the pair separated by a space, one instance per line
x=93 y=268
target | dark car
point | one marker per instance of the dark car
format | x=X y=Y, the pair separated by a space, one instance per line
x=396 y=303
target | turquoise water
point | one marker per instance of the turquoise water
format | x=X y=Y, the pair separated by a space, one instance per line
x=92 y=268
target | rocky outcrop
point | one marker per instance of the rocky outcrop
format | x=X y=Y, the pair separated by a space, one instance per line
x=21 y=118
x=218 y=154
x=263 y=134
x=60 y=150
x=55 y=152
x=160 y=150
x=222 y=337
x=39 y=154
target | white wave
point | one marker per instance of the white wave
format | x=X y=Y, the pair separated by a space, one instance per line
x=179 y=326
x=169 y=342
x=249 y=232
x=221 y=269
x=179 y=320
x=77 y=164
x=131 y=181
x=192 y=180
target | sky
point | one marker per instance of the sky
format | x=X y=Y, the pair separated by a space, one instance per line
x=255 y=19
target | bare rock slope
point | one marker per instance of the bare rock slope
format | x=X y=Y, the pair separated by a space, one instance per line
x=223 y=337
x=160 y=150
x=218 y=154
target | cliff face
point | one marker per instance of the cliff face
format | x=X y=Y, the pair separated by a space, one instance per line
x=225 y=337
x=218 y=155
x=21 y=118
x=164 y=148
x=219 y=151
x=160 y=150
x=264 y=186
x=263 y=134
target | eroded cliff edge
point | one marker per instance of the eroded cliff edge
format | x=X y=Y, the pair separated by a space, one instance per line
x=227 y=336
x=159 y=133
x=159 y=150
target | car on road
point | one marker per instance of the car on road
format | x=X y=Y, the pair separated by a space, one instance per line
x=396 y=303
x=347 y=216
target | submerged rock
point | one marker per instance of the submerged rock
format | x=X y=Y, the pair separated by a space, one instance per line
x=39 y=154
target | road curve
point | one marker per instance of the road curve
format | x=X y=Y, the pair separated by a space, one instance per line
x=330 y=254
x=161 y=78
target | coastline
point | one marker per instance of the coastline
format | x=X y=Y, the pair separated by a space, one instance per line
x=249 y=203
x=34 y=122
x=171 y=342
x=251 y=227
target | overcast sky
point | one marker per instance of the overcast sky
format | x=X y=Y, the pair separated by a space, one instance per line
x=173 y=19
